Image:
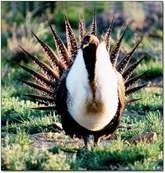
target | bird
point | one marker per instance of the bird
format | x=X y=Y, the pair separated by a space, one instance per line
x=85 y=81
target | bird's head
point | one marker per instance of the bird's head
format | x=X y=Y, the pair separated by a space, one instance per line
x=89 y=42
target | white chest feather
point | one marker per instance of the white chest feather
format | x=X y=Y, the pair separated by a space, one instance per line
x=80 y=94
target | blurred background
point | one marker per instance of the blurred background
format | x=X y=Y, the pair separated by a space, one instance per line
x=20 y=18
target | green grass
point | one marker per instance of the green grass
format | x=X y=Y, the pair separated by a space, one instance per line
x=20 y=122
x=120 y=156
x=152 y=68
x=23 y=156
x=19 y=153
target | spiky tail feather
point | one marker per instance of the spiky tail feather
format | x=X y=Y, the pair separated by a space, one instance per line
x=107 y=36
x=94 y=24
x=47 y=79
x=81 y=30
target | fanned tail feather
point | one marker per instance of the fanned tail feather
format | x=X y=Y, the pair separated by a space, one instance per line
x=41 y=98
x=108 y=34
x=132 y=90
x=38 y=76
x=94 y=24
x=53 y=74
x=133 y=80
x=130 y=68
x=61 y=49
x=115 y=51
x=45 y=108
x=38 y=87
x=132 y=100
x=126 y=59
x=71 y=41
x=81 y=30
x=54 y=60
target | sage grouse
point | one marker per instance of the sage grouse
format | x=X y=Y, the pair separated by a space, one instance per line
x=85 y=81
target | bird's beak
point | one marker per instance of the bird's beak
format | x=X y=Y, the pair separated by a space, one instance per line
x=85 y=45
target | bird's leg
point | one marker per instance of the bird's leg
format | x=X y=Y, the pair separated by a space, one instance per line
x=87 y=142
x=96 y=140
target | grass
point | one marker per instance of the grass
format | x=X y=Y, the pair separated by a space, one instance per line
x=155 y=69
x=19 y=123
x=22 y=156
x=120 y=156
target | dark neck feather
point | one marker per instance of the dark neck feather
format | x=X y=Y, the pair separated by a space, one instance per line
x=89 y=54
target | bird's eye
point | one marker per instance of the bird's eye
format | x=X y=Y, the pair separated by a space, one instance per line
x=86 y=41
